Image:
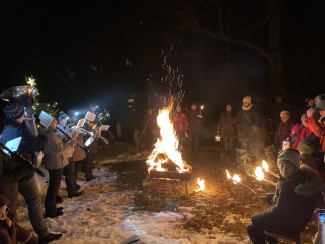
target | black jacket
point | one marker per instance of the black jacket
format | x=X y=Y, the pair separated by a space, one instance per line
x=294 y=203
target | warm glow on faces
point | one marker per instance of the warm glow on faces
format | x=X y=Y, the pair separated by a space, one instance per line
x=178 y=109
x=228 y=108
x=3 y=212
x=193 y=107
x=286 y=168
x=246 y=104
x=284 y=119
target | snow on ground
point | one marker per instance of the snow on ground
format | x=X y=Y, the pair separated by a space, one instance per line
x=104 y=215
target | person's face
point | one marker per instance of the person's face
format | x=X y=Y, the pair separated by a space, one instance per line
x=322 y=113
x=21 y=119
x=246 y=104
x=3 y=212
x=311 y=103
x=150 y=111
x=63 y=122
x=228 y=108
x=284 y=119
x=286 y=168
x=178 y=109
x=54 y=124
x=193 y=107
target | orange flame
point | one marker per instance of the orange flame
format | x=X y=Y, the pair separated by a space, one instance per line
x=166 y=145
x=259 y=173
x=265 y=166
x=235 y=178
x=201 y=184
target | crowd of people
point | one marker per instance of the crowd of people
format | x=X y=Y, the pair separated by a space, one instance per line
x=61 y=158
x=300 y=149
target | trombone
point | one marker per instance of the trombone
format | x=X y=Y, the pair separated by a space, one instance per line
x=82 y=130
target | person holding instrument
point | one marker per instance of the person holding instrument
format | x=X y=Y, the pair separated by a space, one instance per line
x=56 y=158
x=15 y=126
x=69 y=170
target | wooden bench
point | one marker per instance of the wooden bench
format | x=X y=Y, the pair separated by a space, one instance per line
x=292 y=239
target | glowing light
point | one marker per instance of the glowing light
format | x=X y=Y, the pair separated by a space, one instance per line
x=265 y=166
x=259 y=173
x=235 y=178
x=31 y=81
x=201 y=184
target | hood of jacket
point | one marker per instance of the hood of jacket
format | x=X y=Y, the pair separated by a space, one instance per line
x=311 y=182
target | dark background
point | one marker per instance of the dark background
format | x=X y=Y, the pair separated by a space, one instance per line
x=77 y=52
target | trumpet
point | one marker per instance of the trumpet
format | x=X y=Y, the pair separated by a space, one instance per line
x=92 y=134
x=73 y=140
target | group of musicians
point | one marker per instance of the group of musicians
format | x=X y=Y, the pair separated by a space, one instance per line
x=64 y=152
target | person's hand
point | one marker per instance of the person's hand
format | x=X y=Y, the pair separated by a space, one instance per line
x=311 y=112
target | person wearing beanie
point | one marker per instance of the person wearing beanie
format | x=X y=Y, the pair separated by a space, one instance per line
x=276 y=109
x=69 y=170
x=248 y=124
x=10 y=232
x=283 y=130
x=15 y=126
x=295 y=135
x=297 y=194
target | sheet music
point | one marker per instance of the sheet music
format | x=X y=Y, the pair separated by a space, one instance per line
x=89 y=141
x=12 y=145
x=81 y=122
x=45 y=119
x=90 y=116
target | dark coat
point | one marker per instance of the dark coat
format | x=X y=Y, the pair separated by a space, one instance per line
x=283 y=132
x=194 y=120
x=10 y=173
x=28 y=144
x=294 y=203
x=15 y=233
x=226 y=124
x=244 y=127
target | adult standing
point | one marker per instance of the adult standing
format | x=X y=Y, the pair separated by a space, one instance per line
x=15 y=126
x=194 y=118
x=247 y=124
x=226 y=127
x=150 y=129
x=180 y=123
x=276 y=108
x=283 y=130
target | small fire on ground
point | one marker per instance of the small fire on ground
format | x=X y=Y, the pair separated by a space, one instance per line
x=201 y=184
x=165 y=156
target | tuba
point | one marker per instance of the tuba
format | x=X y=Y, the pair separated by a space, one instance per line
x=23 y=95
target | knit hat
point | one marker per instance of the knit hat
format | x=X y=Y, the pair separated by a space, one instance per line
x=320 y=105
x=247 y=99
x=291 y=155
x=3 y=201
x=61 y=116
x=306 y=147
x=13 y=111
x=284 y=113
x=296 y=128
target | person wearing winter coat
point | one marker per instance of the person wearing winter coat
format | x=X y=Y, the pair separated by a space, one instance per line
x=69 y=170
x=194 y=119
x=10 y=174
x=15 y=126
x=315 y=126
x=10 y=232
x=248 y=124
x=309 y=156
x=295 y=135
x=283 y=130
x=226 y=127
x=180 y=124
x=305 y=132
x=56 y=158
x=297 y=195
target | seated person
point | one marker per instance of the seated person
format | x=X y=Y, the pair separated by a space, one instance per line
x=10 y=232
x=294 y=202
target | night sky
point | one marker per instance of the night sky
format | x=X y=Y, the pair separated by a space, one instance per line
x=79 y=52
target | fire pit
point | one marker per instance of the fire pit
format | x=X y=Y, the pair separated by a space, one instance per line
x=165 y=162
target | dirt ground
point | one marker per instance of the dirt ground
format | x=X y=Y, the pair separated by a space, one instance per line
x=223 y=205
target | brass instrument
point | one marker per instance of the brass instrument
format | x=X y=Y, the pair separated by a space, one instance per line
x=73 y=140
x=95 y=125
x=92 y=134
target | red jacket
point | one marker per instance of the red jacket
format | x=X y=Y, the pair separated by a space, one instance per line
x=10 y=235
x=318 y=129
x=305 y=133
x=179 y=121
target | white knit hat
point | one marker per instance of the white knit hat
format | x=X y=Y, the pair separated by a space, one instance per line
x=247 y=99
x=291 y=155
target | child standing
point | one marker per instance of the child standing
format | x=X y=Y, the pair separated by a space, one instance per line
x=295 y=135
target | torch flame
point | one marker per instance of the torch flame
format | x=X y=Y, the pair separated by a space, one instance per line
x=235 y=178
x=259 y=173
x=265 y=166
x=166 y=145
x=201 y=184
